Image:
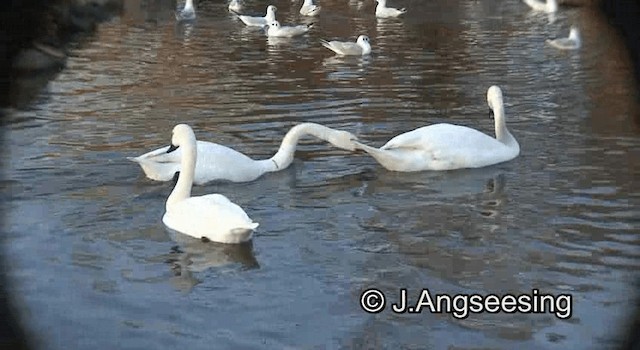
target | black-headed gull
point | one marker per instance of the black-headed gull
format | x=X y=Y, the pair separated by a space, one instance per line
x=570 y=43
x=278 y=31
x=549 y=6
x=346 y=48
x=258 y=21
x=188 y=13
x=382 y=11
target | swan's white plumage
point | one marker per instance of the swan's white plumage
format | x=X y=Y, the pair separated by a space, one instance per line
x=259 y=21
x=571 y=43
x=382 y=11
x=188 y=13
x=548 y=6
x=218 y=162
x=359 y=48
x=278 y=31
x=212 y=216
x=447 y=146
x=309 y=9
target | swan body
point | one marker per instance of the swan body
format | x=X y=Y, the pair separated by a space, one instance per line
x=259 y=21
x=211 y=216
x=570 y=43
x=278 y=31
x=218 y=162
x=382 y=11
x=548 y=6
x=360 y=48
x=309 y=9
x=235 y=6
x=447 y=146
x=188 y=13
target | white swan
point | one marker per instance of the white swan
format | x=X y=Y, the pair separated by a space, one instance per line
x=382 y=11
x=360 y=48
x=549 y=6
x=259 y=21
x=570 y=43
x=278 y=31
x=309 y=9
x=235 y=6
x=211 y=216
x=188 y=13
x=446 y=146
x=217 y=162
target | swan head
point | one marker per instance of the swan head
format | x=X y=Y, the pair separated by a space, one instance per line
x=182 y=134
x=271 y=10
x=343 y=140
x=494 y=97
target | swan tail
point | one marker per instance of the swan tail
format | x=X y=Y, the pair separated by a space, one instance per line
x=134 y=159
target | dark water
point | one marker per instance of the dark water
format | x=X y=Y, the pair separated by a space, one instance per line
x=93 y=266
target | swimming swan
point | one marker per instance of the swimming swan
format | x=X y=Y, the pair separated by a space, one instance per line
x=382 y=11
x=212 y=216
x=218 y=162
x=258 y=21
x=360 y=48
x=570 y=43
x=447 y=146
x=309 y=9
x=188 y=13
x=550 y=6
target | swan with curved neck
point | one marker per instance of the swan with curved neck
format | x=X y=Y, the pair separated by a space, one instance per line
x=217 y=162
x=211 y=216
x=548 y=6
x=382 y=11
x=188 y=13
x=259 y=21
x=447 y=146
x=309 y=9
x=571 y=43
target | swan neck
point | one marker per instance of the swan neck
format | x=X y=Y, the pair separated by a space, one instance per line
x=307 y=3
x=182 y=190
x=502 y=133
x=188 y=5
x=284 y=157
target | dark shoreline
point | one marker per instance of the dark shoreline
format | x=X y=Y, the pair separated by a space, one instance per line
x=34 y=35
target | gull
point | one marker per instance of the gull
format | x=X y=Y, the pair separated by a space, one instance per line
x=549 y=6
x=276 y=30
x=257 y=21
x=570 y=43
x=188 y=13
x=382 y=11
x=235 y=6
x=345 y=48
x=309 y=9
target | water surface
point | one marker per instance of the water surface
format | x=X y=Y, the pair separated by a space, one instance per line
x=93 y=266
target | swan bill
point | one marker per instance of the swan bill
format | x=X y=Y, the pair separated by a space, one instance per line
x=172 y=148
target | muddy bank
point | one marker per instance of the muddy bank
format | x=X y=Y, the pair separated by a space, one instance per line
x=34 y=37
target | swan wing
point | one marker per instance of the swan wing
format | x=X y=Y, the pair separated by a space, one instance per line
x=214 y=162
x=213 y=216
x=447 y=146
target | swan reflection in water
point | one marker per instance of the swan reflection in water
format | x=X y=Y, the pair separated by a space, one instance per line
x=192 y=255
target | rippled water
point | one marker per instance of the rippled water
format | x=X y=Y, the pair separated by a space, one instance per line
x=93 y=266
